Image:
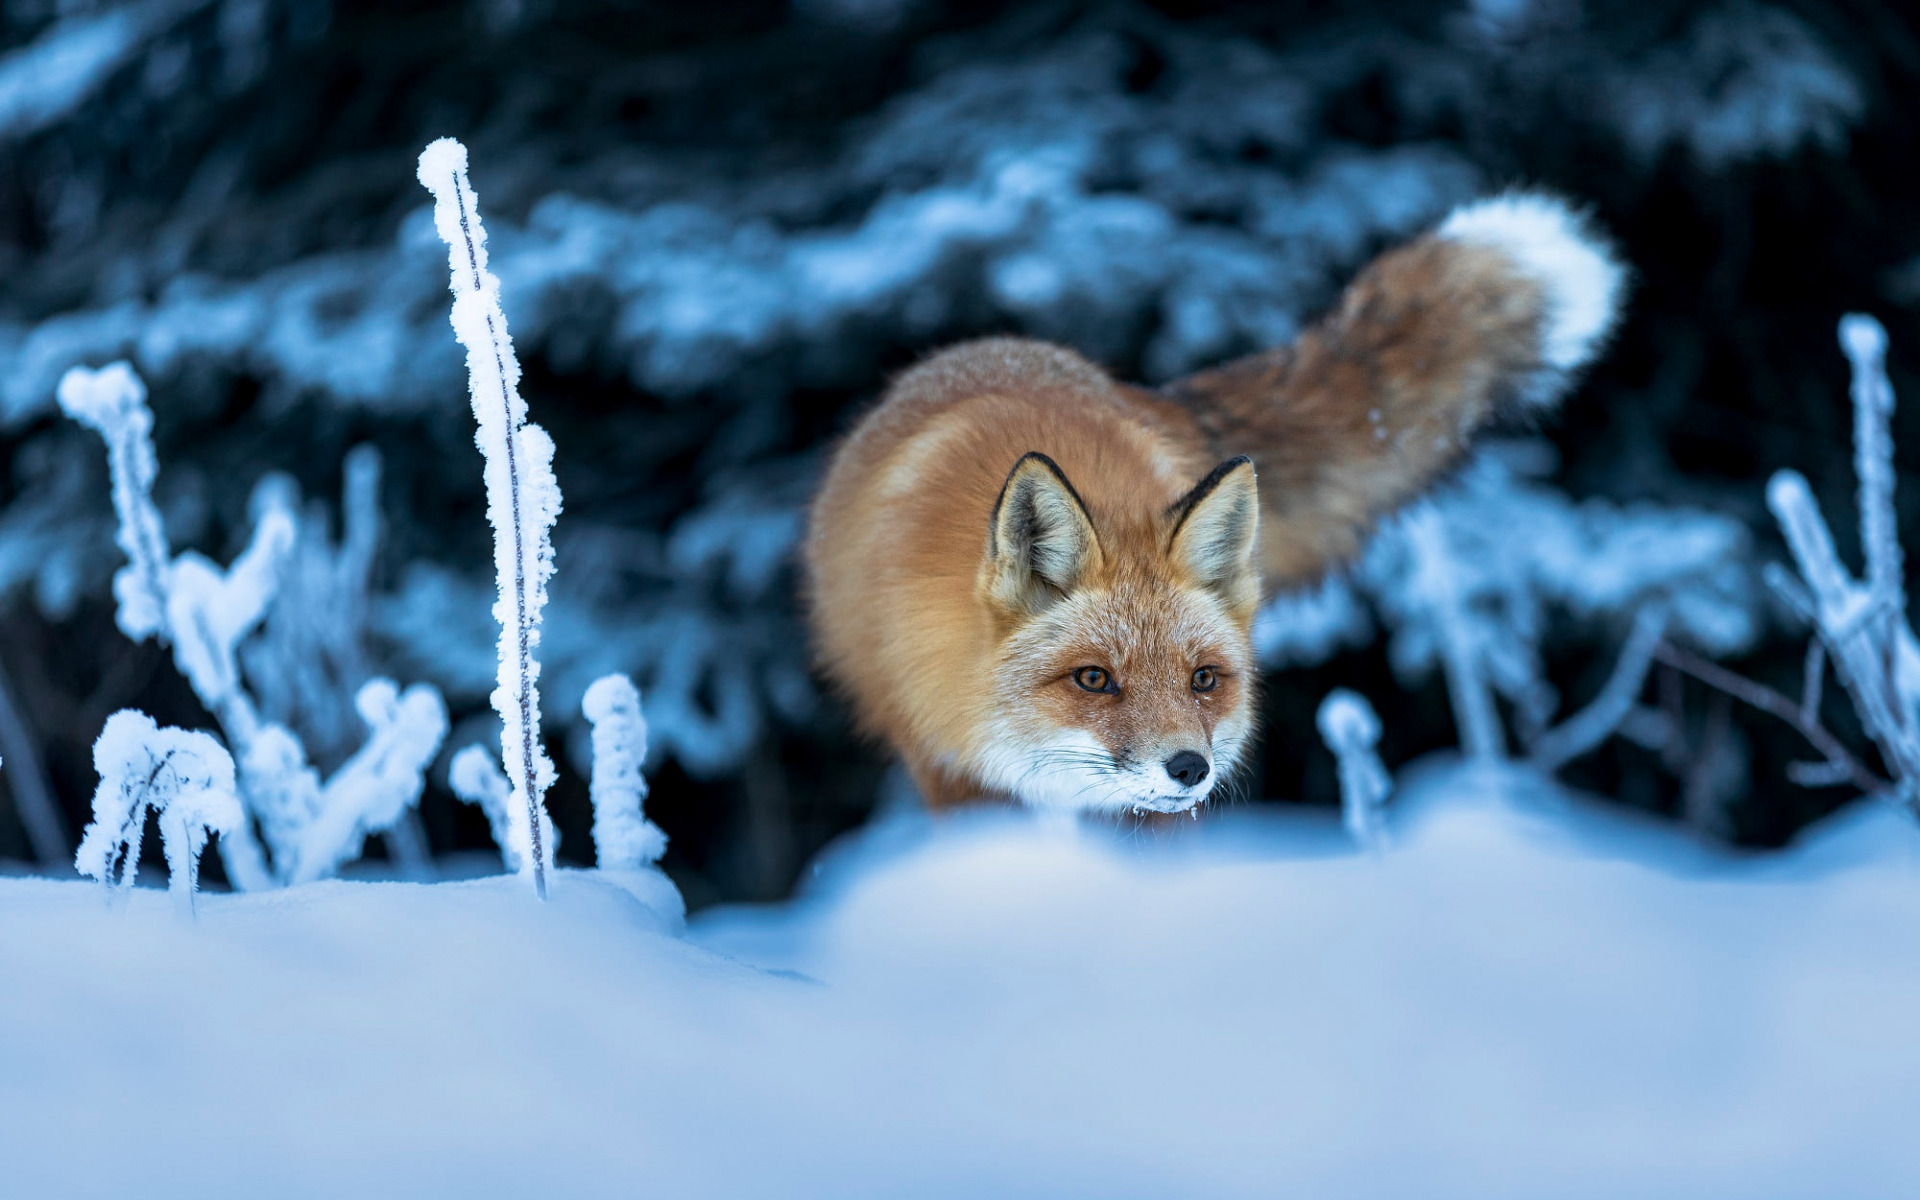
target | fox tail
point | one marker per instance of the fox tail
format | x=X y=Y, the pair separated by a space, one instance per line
x=1494 y=313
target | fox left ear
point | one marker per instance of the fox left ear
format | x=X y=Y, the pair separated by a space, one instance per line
x=1216 y=529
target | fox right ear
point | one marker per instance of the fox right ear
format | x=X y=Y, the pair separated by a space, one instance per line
x=1041 y=542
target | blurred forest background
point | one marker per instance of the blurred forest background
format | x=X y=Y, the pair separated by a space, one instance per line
x=721 y=226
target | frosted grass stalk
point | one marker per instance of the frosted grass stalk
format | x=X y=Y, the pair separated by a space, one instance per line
x=623 y=838
x=523 y=498
x=113 y=403
x=1351 y=730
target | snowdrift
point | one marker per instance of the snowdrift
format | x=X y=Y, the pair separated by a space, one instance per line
x=1512 y=1002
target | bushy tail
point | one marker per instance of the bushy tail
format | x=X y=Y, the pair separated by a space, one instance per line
x=1493 y=312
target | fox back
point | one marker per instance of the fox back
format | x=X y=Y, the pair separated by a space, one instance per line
x=1038 y=583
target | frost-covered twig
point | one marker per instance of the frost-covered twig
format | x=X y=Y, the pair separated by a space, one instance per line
x=1351 y=730
x=623 y=838
x=523 y=498
x=184 y=775
x=1594 y=723
x=1764 y=698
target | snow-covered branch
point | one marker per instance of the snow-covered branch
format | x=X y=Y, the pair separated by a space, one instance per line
x=523 y=498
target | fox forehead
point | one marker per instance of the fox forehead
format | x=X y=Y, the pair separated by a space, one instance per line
x=1129 y=627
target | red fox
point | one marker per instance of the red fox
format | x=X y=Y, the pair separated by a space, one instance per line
x=1038 y=583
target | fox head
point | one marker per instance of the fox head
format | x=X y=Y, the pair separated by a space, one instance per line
x=1122 y=672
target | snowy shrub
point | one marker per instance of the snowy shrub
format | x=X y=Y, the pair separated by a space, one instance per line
x=204 y=612
x=623 y=838
x=183 y=776
x=523 y=498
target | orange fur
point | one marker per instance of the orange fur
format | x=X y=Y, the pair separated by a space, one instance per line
x=955 y=622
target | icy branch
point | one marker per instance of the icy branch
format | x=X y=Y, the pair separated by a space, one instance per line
x=185 y=776
x=523 y=498
x=623 y=838
x=1351 y=730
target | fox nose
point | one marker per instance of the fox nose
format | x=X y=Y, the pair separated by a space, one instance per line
x=1187 y=768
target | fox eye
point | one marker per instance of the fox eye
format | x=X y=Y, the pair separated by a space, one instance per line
x=1094 y=679
x=1206 y=679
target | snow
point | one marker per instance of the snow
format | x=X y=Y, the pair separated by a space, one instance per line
x=523 y=498
x=1512 y=1003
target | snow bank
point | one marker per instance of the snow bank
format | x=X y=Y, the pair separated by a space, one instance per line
x=987 y=1011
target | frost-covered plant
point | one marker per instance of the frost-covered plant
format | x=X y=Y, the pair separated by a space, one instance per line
x=523 y=498
x=1468 y=580
x=204 y=612
x=1351 y=729
x=1861 y=624
x=623 y=838
x=184 y=776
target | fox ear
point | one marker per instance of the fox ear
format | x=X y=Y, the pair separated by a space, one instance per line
x=1041 y=542
x=1216 y=528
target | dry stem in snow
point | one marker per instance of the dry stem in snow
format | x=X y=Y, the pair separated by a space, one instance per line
x=186 y=776
x=1351 y=730
x=523 y=498
x=623 y=838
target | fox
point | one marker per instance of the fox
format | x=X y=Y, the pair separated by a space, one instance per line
x=1037 y=583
